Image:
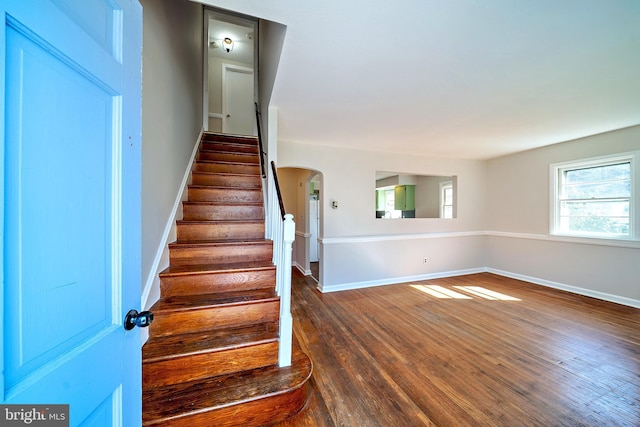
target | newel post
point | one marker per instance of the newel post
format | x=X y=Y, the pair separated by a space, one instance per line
x=286 y=322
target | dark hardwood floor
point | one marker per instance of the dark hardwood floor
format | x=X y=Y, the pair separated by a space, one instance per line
x=437 y=354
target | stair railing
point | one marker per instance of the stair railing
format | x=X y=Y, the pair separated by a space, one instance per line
x=283 y=234
x=281 y=229
x=263 y=171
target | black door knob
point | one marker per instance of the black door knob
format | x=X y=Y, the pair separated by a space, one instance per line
x=133 y=319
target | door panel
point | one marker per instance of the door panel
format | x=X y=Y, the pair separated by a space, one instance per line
x=238 y=101
x=59 y=262
x=71 y=213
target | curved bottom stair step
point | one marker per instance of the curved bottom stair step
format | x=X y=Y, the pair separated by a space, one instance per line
x=248 y=398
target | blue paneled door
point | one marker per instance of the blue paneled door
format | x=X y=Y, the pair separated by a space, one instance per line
x=70 y=264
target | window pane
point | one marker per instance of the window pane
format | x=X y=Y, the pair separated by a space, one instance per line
x=598 y=217
x=606 y=189
x=599 y=173
x=605 y=225
x=596 y=208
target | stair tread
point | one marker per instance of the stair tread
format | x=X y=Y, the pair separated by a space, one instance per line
x=226 y=162
x=221 y=242
x=201 y=301
x=226 y=174
x=171 y=346
x=216 y=268
x=226 y=151
x=222 y=203
x=219 y=221
x=252 y=144
x=223 y=187
x=225 y=390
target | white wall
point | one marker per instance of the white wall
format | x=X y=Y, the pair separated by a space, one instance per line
x=518 y=222
x=171 y=114
x=359 y=250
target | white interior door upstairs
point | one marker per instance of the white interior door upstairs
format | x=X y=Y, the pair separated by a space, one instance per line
x=238 y=110
x=70 y=119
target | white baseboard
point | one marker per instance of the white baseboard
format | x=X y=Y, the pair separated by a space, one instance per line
x=301 y=269
x=395 y=280
x=156 y=267
x=535 y=280
x=569 y=288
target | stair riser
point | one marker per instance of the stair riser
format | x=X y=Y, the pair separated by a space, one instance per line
x=238 y=168
x=188 y=321
x=229 y=157
x=265 y=411
x=226 y=180
x=211 y=283
x=204 y=194
x=180 y=255
x=230 y=147
x=194 y=367
x=217 y=212
x=194 y=232
x=234 y=139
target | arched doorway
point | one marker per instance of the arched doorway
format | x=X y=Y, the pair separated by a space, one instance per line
x=302 y=193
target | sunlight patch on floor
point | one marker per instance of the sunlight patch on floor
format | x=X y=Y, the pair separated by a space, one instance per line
x=478 y=291
x=440 y=292
x=486 y=293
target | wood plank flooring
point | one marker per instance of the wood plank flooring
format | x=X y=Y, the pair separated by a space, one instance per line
x=477 y=350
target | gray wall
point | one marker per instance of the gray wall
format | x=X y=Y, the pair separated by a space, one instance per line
x=171 y=112
x=518 y=223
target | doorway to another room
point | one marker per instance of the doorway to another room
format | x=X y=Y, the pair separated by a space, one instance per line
x=302 y=194
x=230 y=83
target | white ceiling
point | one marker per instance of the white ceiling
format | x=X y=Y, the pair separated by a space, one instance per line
x=453 y=78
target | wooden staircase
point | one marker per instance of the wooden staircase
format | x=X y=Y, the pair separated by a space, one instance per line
x=212 y=354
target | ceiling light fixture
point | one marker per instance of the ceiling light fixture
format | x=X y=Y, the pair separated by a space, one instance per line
x=227 y=44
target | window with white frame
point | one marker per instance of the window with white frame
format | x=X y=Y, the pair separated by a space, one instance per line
x=446 y=199
x=594 y=198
